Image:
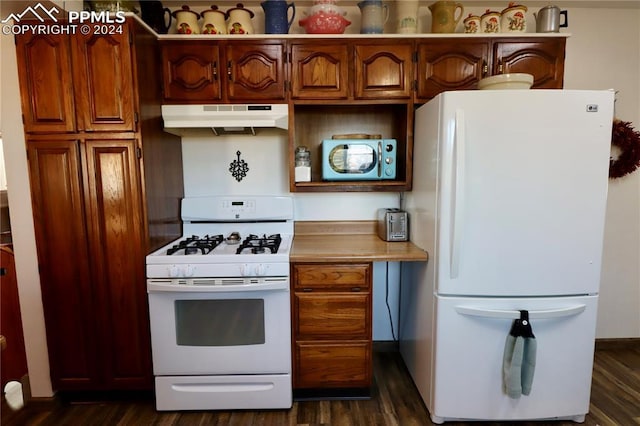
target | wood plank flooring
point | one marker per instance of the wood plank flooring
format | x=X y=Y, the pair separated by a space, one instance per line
x=615 y=401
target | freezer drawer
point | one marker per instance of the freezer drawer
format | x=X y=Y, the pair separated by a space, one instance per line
x=470 y=336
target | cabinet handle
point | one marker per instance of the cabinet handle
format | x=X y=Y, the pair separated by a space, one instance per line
x=500 y=68
x=307 y=290
x=355 y=288
x=229 y=71
x=485 y=68
x=215 y=71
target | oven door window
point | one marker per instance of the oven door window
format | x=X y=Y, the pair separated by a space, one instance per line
x=229 y=322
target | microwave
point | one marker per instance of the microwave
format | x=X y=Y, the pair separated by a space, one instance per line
x=359 y=159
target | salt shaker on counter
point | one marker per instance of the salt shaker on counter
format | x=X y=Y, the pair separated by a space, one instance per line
x=303 y=164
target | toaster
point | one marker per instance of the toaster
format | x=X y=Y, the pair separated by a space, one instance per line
x=393 y=225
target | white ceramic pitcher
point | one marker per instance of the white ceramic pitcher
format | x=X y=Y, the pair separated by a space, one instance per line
x=374 y=15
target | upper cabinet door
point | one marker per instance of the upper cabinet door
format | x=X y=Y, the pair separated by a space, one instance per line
x=255 y=71
x=45 y=83
x=103 y=82
x=191 y=71
x=452 y=64
x=544 y=59
x=319 y=71
x=383 y=71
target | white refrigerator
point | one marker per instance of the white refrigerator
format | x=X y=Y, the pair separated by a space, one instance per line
x=508 y=200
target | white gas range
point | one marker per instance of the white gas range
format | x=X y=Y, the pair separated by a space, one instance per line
x=219 y=306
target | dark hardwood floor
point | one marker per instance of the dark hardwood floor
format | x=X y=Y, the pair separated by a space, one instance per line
x=615 y=400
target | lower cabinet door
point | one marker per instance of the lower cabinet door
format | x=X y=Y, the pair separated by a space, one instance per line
x=333 y=365
x=64 y=262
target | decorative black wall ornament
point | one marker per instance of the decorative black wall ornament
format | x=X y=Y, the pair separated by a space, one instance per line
x=238 y=168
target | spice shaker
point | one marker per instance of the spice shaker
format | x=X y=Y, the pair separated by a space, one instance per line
x=303 y=164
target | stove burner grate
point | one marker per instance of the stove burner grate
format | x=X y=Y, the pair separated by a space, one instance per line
x=254 y=244
x=196 y=244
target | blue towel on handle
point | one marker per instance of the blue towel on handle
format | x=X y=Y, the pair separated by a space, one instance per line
x=519 y=358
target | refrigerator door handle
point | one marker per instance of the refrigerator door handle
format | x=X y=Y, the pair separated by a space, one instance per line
x=458 y=194
x=513 y=314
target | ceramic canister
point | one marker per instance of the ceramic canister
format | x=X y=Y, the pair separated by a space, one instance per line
x=407 y=16
x=512 y=19
x=186 y=21
x=374 y=15
x=490 y=22
x=214 y=21
x=471 y=24
x=239 y=20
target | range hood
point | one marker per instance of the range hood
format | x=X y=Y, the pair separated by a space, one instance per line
x=227 y=118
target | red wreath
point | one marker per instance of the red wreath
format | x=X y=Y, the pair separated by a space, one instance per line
x=628 y=141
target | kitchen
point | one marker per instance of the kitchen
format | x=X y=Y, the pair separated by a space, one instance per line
x=593 y=29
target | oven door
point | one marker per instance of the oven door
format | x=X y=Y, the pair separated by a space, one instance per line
x=220 y=329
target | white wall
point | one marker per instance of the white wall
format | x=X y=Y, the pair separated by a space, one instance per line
x=599 y=58
x=22 y=223
x=603 y=52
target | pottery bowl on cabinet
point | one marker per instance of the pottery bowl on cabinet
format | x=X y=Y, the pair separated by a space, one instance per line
x=506 y=82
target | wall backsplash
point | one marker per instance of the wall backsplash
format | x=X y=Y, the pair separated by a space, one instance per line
x=207 y=159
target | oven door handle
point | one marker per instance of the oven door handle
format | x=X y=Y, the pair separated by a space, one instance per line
x=193 y=286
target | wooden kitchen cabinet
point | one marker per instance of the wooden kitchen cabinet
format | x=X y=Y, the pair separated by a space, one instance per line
x=450 y=64
x=383 y=70
x=458 y=64
x=103 y=197
x=191 y=72
x=80 y=83
x=87 y=206
x=103 y=82
x=332 y=333
x=319 y=70
x=543 y=58
x=231 y=71
x=323 y=70
x=44 y=66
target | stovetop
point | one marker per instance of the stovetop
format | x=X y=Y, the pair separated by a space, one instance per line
x=217 y=245
x=228 y=236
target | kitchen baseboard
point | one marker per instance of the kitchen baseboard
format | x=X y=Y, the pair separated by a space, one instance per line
x=386 y=346
x=618 y=343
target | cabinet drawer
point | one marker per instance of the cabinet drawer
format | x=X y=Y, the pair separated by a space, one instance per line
x=332 y=316
x=333 y=365
x=346 y=277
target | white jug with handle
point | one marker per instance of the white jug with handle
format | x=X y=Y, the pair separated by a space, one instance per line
x=374 y=15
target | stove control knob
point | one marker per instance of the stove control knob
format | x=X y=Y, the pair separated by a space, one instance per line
x=188 y=271
x=261 y=270
x=245 y=270
x=173 y=271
